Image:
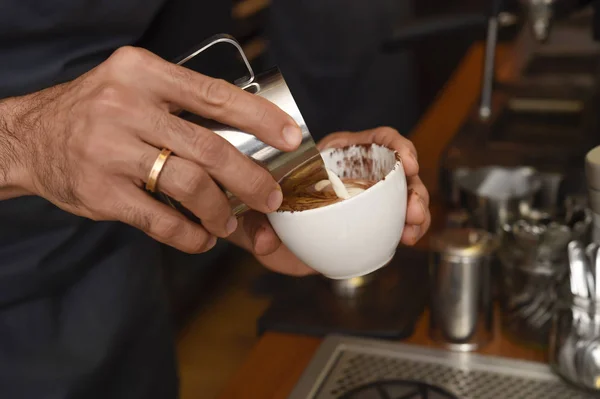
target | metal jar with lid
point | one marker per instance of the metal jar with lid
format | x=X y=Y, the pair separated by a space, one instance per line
x=461 y=308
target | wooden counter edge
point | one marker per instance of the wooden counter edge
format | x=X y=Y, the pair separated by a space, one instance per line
x=278 y=360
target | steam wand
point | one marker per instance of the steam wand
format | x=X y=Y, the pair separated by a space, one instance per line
x=487 y=85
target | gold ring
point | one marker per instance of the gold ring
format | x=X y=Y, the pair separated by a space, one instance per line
x=156 y=169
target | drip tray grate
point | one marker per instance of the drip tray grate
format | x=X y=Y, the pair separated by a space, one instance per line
x=343 y=366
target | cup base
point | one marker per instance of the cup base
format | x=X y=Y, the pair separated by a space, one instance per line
x=371 y=270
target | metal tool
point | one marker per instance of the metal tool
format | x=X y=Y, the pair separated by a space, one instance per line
x=540 y=15
x=271 y=86
x=591 y=365
x=592 y=173
x=575 y=342
x=597 y=273
x=461 y=314
x=485 y=108
x=578 y=268
x=575 y=336
x=496 y=195
x=533 y=266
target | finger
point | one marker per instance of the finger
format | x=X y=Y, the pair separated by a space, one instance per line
x=284 y=261
x=413 y=233
x=259 y=231
x=219 y=100
x=383 y=136
x=415 y=211
x=251 y=183
x=280 y=260
x=193 y=188
x=415 y=184
x=161 y=222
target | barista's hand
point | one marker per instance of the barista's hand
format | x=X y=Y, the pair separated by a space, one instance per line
x=418 y=217
x=257 y=235
x=88 y=146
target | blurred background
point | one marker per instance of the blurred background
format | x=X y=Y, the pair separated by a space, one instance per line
x=511 y=169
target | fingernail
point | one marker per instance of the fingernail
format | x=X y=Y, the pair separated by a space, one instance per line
x=274 y=200
x=292 y=135
x=232 y=225
x=417 y=232
x=211 y=243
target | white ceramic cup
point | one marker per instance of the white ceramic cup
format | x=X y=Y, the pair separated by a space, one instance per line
x=356 y=236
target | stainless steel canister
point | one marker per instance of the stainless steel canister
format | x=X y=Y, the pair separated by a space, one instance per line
x=271 y=86
x=496 y=195
x=461 y=308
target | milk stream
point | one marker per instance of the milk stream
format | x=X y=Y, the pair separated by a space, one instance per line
x=340 y=189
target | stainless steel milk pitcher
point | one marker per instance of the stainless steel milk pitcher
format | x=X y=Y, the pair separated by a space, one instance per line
x=271 y=86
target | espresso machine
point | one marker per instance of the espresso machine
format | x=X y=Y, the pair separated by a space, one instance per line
x=540 y=109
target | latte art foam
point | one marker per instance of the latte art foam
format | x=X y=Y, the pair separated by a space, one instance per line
x=323 y=193
x=347 y=173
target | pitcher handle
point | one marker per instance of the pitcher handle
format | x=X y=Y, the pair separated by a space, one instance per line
x=222 y=38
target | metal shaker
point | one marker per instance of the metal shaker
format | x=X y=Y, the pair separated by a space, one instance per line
x=461 y=308
x=272 y=86
x=592 y=172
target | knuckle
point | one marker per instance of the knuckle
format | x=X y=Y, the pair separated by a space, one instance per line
x=258 y=183
x=181 y=130
x=192 y=184
x=406 y=145
x=126 y=56
x=108 y=99
x=133 y=216
x=388 y=131
x=217 y=93
x=181 y=75
x=211 y=150
x=166 y=227
x=124 y=61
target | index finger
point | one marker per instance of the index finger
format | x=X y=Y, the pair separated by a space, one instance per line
x=383 y=136
x=224 y=102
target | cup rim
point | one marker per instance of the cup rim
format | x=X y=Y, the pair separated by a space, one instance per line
x=337 y=204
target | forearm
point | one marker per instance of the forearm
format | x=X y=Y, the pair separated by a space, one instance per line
x=12 y=167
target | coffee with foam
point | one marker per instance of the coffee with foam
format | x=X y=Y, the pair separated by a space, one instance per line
x=356 y=172
x=350 y=237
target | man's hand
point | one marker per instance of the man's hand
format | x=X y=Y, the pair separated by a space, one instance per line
x=418 y=217
x=88 y=146
x=257 y=236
